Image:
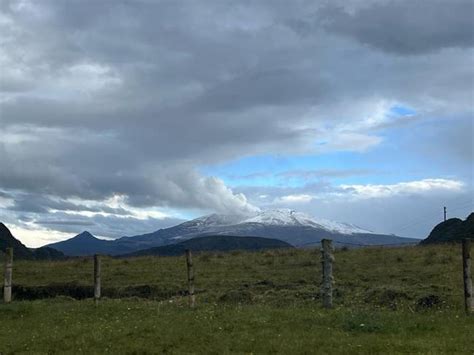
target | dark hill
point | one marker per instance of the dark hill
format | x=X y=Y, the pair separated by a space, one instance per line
x=7 y=240
x=214 y=243
x=46 y=253
x=20 y=251
x=86 y=244
x=452 y=230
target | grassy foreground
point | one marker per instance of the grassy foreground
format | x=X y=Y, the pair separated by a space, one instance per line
x=133 y=326
x=400 y=300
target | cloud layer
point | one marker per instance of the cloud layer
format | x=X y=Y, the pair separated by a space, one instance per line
x=132 y=100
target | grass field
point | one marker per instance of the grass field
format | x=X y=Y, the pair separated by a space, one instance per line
x=397 y=300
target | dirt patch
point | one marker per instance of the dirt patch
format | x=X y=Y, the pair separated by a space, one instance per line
x=72 y=290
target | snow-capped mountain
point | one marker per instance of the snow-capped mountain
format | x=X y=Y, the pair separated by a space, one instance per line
x=278 y=217
x=295 y=228
x=287 y=217
x=214 y=220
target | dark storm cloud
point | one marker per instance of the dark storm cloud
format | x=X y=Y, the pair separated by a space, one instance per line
x=406 y=27
x=274 y=87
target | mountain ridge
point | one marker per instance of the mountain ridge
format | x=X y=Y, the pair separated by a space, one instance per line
x=295 y=228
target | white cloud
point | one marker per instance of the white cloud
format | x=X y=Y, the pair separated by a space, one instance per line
x=402 y=188
x=5 y=202
x=88 y=77
x=347 y=141
x=37 y=237
x=301 y=198
x=213 y=192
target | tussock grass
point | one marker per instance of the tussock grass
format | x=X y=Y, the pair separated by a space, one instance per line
x=382 y=277
x=388 y=300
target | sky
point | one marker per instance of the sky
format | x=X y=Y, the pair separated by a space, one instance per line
x=123 y=117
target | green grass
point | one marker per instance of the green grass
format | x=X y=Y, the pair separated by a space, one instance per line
x=398 y=300
x=118 y=326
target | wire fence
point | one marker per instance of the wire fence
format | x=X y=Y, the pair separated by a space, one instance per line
x=327 y=276
x=361 y=244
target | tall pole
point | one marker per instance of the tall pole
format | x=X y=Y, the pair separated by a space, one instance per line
x=328 y=280
x=97 y=271
x=189 y=264
x=7 y=285
x=466 y=265
x=445 y=213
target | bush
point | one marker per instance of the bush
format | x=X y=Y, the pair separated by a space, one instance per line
x=237 y=296
x=429 y=301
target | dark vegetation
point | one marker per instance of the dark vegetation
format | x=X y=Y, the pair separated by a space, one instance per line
x=452 y=230
x=223 y=243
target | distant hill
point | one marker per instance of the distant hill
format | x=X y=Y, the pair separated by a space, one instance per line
x=214 y=243
x=86 y=244
x=453 y=229
x=46 y=253
x=20 y=251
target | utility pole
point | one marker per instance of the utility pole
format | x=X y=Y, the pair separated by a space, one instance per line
x=445 y=213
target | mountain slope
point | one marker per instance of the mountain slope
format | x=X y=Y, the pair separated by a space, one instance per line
x=7 y=240
x=295 y=228
x=20 y=251
x=214 y=243
x=451 y=230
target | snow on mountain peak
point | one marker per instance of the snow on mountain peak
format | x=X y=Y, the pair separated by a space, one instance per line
x=214 y=220
x=288 y=217
x=274 y=217
x=277 y=217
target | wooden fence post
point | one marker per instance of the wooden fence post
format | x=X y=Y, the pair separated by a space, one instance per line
x=7 y=285
x=466 y=264
x=97 y=270
x=327 y=283
x=189 y=264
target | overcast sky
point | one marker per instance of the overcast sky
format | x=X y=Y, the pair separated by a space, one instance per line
x=123 y=117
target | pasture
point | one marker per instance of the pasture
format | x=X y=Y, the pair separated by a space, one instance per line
x=387 y=300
